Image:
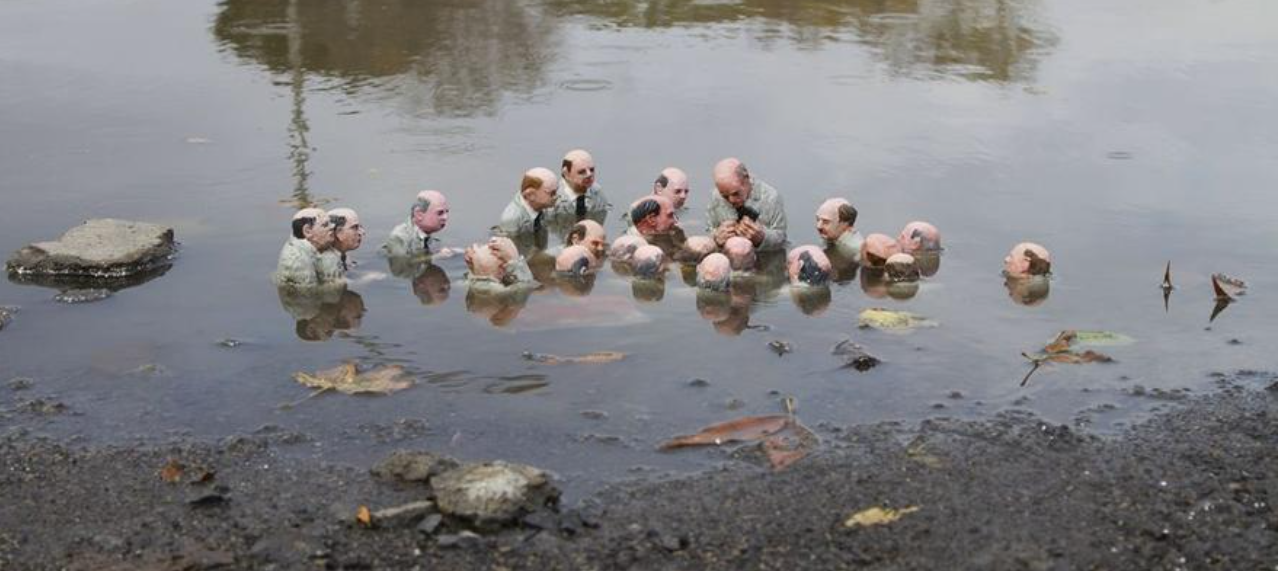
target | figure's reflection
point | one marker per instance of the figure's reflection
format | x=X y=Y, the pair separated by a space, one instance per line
x=320 y=312
x=500 y=305
x=1028 y=290
x=432 y=285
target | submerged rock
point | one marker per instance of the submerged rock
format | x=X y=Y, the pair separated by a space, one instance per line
x=101 y=248
x=493 y=493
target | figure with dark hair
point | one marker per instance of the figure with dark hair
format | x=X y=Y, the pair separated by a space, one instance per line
x=529 y=211
x=919 y=236
x=745 y=206
x=579 y=197
x=1027 y=259
x=590 y=234
x=652 y=216
x=427 y=216
x=348 y=235
x=809 y=266
x=836 y=223
x=299 y=263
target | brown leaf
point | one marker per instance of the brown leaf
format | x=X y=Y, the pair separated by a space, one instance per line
x=596 y=358
x=172 y=471
x=1087 y=356
x=347 y=379
x=1062 y=342
x=740 y=430
x=789 y=446
x=364 y=517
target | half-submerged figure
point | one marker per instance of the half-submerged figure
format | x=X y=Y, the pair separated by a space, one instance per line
x=672 y=183
x=575 y=260
x=714 y=273
x=836 y=223
x=579 y=197
x=919 y=236
x=415 y=238
x=590 y=234
x=740 y=253
x=808 y=266
x=649 y=262
x=527 y=214
x=695 y=249
x=348 y=235
x=746 y=207
x=877 y=249
x=651 y=216
x=1027 y=259
x=496 y=263
x=624 y=247
x=299 y=264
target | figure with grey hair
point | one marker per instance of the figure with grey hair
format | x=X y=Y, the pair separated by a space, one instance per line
x=745 y=206
x=299 y=262
x=579 y=196
x=348 y=235
x=415 y=238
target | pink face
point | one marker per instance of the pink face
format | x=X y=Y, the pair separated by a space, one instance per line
x=676 y=188
x=581 y=174
x=660 y=223
x=1027 y=258
x=351 y=235
x=543 y=197
x=595 y=239
x=435 y=217
x=483 y=263
x=573 y=258
x=918 y=236
x=733 y=187
x=828 y=224
x=877 y=249
x=319 y=233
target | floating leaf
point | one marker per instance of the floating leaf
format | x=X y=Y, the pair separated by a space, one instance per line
x=1087 y=356
x=877 y=516
x=740 y=430
x=598 y=357
x=364 y=517
x=347 y=379
x=1102 y=338
x=890 y=320
x=1062 y=342
x=172 y=471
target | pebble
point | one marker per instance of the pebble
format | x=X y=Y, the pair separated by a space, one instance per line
x=430 y=524
x=458 y=540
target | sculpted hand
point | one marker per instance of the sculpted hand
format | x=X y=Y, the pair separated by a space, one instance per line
x=725 y=231
x=750 y=230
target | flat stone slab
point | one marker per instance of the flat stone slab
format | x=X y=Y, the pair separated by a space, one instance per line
x=99 y=248
x=495 y=493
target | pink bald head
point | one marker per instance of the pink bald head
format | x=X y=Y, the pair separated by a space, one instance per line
x=430 y=211
x=917 y=236
x=808 y=265
x=877 y=249
x=672 y=183
x=652 y=215
x=732 y=180
x=623 y=248
x=1027 y=259
x=575 y=260
x=483 y=262
x=902 y=267
x=578 y=170
x=714 y=272
x=539 y=187
x=701 y=246
x=835 y=217
x=740 y=253
x=648 y=261
x=590 y=234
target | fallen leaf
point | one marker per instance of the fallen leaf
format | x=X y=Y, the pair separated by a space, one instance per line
x=596 y=358
x=1167 y=283
x=347 y=379
x=789 y=446
x=1087 y=356
x=890 y=320
x=364 y=517
x=172 y=471
x=877 y=516
x=1102 y=338
x=743 y=429
x=1062 y=342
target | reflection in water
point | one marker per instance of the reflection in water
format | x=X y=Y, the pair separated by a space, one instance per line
x=323 y=311
x=1031 y=290
x=432 y=285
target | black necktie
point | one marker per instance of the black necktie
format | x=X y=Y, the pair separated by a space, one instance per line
x=426 y=244
x=537 y=223
x=344 y=268
x=581 y=205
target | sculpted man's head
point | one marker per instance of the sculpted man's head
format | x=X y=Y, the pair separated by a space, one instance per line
x=590 y=234
x=313 y=225
x=672 y=183
x=740 y=253
x=732 y=180
x=623 y=248
x=652 y=215
x=919 y=236
x=430 y=211
x=808 y=265
x=695 y=248
x=539 y=187
x=1027 y=259
x=714 y=272
x=576 y=260
x=901 y=268
x=489 y=260
x=835 y=217
x=578 y=170
x=876 y=249
x=348 y=233
x=649 y=261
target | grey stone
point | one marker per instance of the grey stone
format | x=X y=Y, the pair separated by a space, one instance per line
x=430 y=524
x=99 y=248
x=413 y=466
x=463 y=539
x=493 y=493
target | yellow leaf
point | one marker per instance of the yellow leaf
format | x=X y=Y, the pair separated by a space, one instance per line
x=364 y=517
x=889 y=320
x=877 y=516
x=347 y=379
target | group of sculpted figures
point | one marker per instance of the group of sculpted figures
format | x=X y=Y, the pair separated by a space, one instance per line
x=744 y=244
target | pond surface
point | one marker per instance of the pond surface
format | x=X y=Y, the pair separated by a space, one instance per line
x=1120 y=136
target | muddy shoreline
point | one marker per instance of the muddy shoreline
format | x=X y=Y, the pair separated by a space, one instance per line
x=1190 y=488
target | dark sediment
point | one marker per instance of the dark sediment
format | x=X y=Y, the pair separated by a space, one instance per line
x=1191 y=488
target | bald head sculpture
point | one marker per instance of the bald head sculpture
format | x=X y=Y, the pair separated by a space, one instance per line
x=732 y=180
x=672 y=183
x=808 y=265
x=490 y=260
x=575 y=260
x=1027 y=259
x=430 y=211
x=740 y=253
x=590 y=234
x=578 y=170
x=313 y=225
x=695 y=248
x=919 y=236
x=648 y=261
x=652 y=215
x=835 y=217
x=623 y=248
x=348 y=233
x=714 y=272
x=539 y=187
x=877 y=249
x=901 y=268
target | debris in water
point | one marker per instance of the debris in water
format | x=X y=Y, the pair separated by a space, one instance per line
x=1061 y=349
x=1223 y=299
x=855 y=356
x=595 y=358
x=784 y=439
x=6 y=315
x=1167 y=287
x=347 y=379
x=780 y=347
x=877 y=516
x=890 y=320
x=82 y=295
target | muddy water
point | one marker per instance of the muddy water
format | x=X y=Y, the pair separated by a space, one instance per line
x=1119 y=136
